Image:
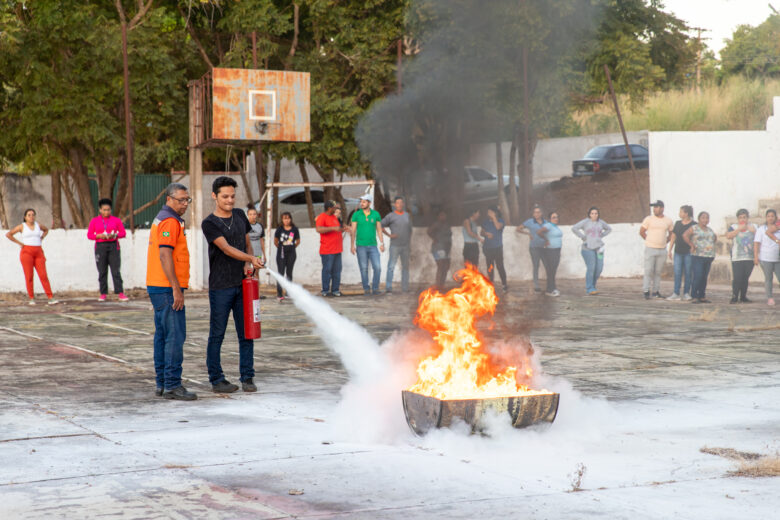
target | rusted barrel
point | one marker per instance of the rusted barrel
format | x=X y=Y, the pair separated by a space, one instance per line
x=424 y=413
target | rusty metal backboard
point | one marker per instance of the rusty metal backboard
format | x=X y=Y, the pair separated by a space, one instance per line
x=260 y=105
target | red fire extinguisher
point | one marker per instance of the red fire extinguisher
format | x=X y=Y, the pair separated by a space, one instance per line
x=251 y=296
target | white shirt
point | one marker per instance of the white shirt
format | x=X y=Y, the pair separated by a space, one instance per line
x=31 y=237
x=770 y=251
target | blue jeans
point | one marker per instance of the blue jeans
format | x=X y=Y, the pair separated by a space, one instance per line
x=170 y=330
x=682 y=267
x=395 y=253
x=221 y=302
x=700 y=265
x=364 y=255
x=594 y=263
x=331 y=272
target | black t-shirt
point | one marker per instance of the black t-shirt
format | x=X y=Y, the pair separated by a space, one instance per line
x=224 y=271
x=681 y=247
x=287 y=239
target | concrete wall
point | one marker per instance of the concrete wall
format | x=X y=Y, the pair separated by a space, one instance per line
x=718 y=172
x=552 y=157
x=71 y=266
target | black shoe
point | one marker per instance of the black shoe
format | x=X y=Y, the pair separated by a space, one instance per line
x=506 y=289
x=697 y=300
x=261 y=297
x=537 y=289
x=389 y=291
x=746 y=300
x=248 y=385
x=658 y=295
x=180 y=394
x=224 y=387
x=733 y=300
x=158 y=392
x=647 y=296
x=704 y=300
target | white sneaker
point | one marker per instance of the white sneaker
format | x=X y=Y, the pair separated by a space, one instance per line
x=686 y=297
x=673 y=298
x=554 y=293
x=53 y=301
x=31 y=302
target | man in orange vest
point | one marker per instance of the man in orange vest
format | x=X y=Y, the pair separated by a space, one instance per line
x=167 y=276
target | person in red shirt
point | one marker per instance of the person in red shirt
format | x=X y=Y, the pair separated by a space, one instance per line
x=330 y=231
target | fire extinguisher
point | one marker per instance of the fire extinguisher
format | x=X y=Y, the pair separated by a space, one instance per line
x=251 y=296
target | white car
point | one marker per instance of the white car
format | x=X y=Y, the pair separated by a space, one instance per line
x=294 y=201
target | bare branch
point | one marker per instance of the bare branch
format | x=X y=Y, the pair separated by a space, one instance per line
x=142 y=9
x=191 y=32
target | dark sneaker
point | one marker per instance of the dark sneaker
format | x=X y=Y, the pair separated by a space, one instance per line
x=158 y=392
x=746 y=300
x=734 y=299
x=647 y=296
x=336 y=293
x=658 y=295
x=248 y=385
x=180 y=394
x=224 y=387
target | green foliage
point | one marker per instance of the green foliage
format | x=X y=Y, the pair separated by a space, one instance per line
x=754 y=51
x=645 y=48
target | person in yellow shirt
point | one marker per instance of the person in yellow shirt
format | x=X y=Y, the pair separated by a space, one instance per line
x=656 y=230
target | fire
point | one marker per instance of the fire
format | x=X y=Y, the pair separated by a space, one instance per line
x=463 y=370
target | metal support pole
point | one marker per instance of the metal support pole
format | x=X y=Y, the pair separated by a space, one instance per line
x=625 y=141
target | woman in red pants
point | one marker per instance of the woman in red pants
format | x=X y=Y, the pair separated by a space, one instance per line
x=32 y=253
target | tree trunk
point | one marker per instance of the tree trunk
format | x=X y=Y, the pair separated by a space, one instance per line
x=307 y=193
x=75 y=212
x=56 y=200
x=527 y=180
x=121 y=205
x=244 y=179
x=502 y=204
x=514 y=210
x=262 y=179
x=3 y=214
x=275 y=206
x=80 y=178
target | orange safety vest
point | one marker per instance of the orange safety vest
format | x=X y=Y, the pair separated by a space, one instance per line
x=167 y=232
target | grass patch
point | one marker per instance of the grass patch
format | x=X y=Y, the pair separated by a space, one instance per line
x=737 y=104
x=752 y=465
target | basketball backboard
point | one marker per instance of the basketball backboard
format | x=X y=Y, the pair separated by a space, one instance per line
x=257 y=105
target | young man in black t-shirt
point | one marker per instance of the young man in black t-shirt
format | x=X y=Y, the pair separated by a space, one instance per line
x=230 y=254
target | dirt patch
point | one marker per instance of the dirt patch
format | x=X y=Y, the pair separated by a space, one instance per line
x=752 y=465
x=614 y=194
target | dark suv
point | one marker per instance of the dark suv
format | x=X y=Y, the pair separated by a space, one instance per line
x=609 y=158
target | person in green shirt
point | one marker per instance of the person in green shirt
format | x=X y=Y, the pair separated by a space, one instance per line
x=366 y=227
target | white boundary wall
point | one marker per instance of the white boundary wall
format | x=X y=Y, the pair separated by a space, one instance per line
x=717 y=172
x=70 y=261
x=552 y=157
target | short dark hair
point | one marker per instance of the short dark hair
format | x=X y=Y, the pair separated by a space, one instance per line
x=251 y=208
x=767 y=212
x=702 y=213
x=105 y=202
x=688 y=209
x=222 y=182
x=743 y=211
x=398 y=198
x=549 y=215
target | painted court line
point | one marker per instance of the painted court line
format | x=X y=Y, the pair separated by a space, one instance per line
x=105 y=324
x=88 y=351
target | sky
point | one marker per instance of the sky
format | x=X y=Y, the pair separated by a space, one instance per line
x=721 y=17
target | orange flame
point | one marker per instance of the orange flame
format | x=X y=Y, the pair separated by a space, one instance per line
x=462 y=370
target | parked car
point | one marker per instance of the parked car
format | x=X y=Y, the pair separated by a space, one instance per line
x=294 y=201
x=609 y=158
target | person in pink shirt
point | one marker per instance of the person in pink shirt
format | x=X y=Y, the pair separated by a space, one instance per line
x=106 y=230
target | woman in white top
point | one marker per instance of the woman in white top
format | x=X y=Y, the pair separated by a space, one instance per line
x=767 y=252
x=32 y=253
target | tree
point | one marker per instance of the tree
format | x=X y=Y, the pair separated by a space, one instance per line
x=753 y=51
x=62 y=94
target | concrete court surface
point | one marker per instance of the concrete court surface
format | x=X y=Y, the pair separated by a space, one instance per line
x=644 y=387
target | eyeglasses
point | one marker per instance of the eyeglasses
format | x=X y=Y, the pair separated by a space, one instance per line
x=186 y=200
